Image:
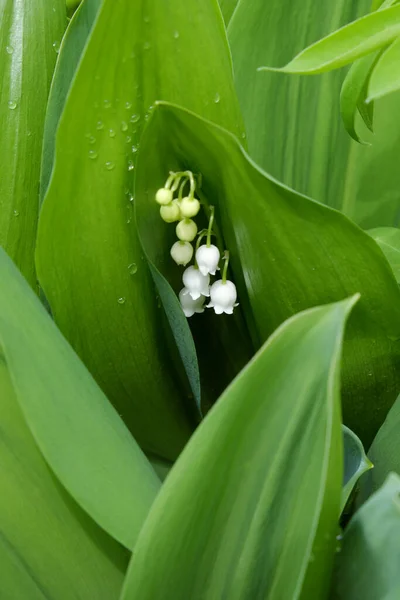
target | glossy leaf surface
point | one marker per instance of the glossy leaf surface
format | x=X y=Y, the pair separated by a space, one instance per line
x=356 y=463
x=78 y=431
x=30 y=36
x=268 y=462
x=288 y=253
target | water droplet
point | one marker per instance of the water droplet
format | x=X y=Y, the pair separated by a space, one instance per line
x=92 y=139
x=124 y=126
x=128 y=105
x=110 y=165
x=132 y=268
x=131 y=166
x=128 y=139
x=135 y=118
x=243 y=136
x=176 y=34
x=9 y=49
x=146 y=46
x=92 y=154
x=146 y=19
x=12 y=105
x=112 y=133
x=134 y=149
x=16 y=213
x=121 y=300
x=56 y=47
x=339 y=537
x=107 y=103
x=131 y=198
x=100 y=125
x=217 y=98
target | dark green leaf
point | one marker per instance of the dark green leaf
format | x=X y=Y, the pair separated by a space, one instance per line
x=234 y=516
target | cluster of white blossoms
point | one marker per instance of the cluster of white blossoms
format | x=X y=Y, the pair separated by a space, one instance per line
x=196 y=278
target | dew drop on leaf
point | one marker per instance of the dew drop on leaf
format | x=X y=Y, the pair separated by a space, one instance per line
x=56 y=47
x=9 y=49
x=128 y=105
x=176 y=34
x=112 y=133
x=107 y=103
x=121 y=300
x=217 y=98
x=16 y=213
x=124 y=126
x=12 y=105
x=134 y=149
x=131 y=166
x=135 y=118
x=110 y=165
x=92 y=154
x=100 y=125
x=132 y=268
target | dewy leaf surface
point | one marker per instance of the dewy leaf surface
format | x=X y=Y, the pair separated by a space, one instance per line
x=263 y=468
x=49 y=548
x=89 y=259
x=30 y=35
x=79 y=433
x=288 y=253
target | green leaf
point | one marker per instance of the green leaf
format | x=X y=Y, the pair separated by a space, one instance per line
x=353 y=95
x=238 y=503
x=288 y=254
x=345 y=45
x=87 y=244
x=368 y=564
x=30 y=33
x=78 y=431
x=356 y=463
x=228 y=8
x=385 y=77
x=388 y=239
x=72 y=47
x=49 y=548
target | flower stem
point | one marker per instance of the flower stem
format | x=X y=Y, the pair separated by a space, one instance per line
x=224 y=272
x=202 y=233
x=210 y=224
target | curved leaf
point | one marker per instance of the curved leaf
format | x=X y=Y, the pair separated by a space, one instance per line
x=385 y=77
x=30 y=33
x=368 y=564
x=355 y=463
x=388 y=239
x=49 y=548
x=265 y=472
x=228 y=8
x=78 y=431
x=348 y=43
x=288 y=253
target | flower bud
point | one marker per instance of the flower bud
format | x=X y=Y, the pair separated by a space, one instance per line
x=164 y=196
x=182 y=253
x=223 y=297
x=170 y=212
x=190 y=306
x=186 y=230
x=189 y=207
x=207 y=257
x=195 y=283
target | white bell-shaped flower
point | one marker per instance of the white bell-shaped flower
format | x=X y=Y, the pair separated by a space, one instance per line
x=207 y=257
x=195 y=283
x=186 y=230
x=189 y=207
x=182 y=253
x=171 y=212
x=164 y=196
x=223 y=297
x=190 y=306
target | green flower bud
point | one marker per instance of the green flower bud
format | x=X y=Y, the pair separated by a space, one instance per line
x=189 y=207
x=164 y=196
x=171 y=212
x=182 y=253
x=186 y=230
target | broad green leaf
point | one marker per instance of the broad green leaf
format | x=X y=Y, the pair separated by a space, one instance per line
x=288 y=253
x=72 y=47
x=345 y=45
x=268 y=461
x=49 y=548
x=385 y=77
x=353 y=95
x=388 y=239
x=368 y=564
x=356 y=463
x=78 y=431
x=228 y=8
x=30 y=35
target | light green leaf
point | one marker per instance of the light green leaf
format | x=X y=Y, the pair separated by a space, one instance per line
x=49 y=548
x=355 y=463
x=385 y=77
x=388 y=239
x=353 y=95
x=317 y=257
x=368 y=564
x=72 y=47
x=228 y=8
x=78 y=431
x=345 y=45
x=30 y=34
x=276 y=429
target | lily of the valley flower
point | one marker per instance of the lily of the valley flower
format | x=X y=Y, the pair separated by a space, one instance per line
x=195 y=283
x=164 y=196
x=186 y=230
x=182 y=253
x=207 y=258
x=170 y=212
x=190 y=306
x=189 y=207
x=223 y=297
